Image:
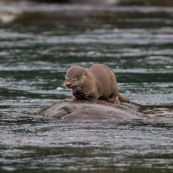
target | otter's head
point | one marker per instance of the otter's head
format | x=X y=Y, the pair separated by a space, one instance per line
x=74 y=76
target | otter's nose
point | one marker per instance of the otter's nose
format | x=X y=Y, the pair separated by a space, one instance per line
x=67 y=84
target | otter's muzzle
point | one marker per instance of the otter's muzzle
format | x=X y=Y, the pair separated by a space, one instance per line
x=68 y=84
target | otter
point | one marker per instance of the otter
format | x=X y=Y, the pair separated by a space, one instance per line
x=96 y=82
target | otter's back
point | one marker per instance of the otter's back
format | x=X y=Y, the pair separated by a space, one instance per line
x=105 y=79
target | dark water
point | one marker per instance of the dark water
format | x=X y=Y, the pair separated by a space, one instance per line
x=35 y=51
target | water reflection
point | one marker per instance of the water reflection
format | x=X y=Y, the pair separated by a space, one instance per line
x=57 y=146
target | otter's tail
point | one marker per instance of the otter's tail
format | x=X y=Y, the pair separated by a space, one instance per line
x=123 y=98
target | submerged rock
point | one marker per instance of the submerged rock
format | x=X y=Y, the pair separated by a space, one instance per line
x=95 y=111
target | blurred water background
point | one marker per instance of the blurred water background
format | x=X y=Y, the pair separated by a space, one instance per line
x=39 y=41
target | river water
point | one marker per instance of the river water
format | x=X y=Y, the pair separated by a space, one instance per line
x=35 y=51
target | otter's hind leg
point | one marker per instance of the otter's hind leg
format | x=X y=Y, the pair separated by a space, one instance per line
x=114 y=98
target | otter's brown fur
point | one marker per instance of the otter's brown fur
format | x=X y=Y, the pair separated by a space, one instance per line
x=98 y=81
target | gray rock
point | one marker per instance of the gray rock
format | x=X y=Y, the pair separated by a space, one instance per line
x=95 y=111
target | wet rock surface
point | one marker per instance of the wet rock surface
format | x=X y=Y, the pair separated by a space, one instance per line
x=99 y=110
x=94 y=111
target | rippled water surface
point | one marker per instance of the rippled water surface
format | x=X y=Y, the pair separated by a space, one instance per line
x=35 y=51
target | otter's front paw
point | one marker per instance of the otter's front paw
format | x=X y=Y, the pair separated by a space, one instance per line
x=83 y=92
x=79 y=92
